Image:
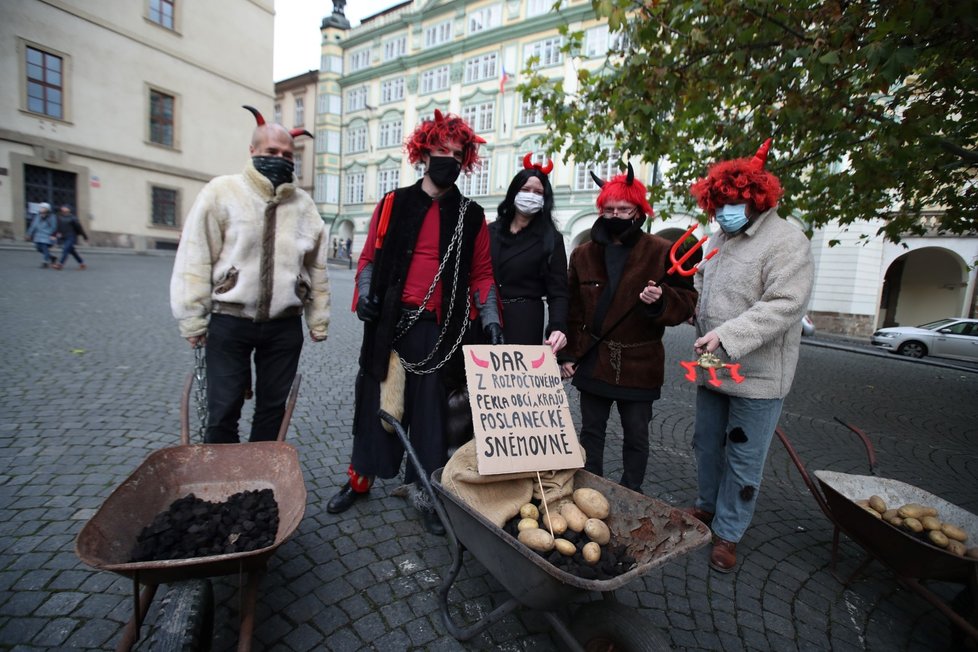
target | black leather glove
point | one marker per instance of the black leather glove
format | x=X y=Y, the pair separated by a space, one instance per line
x=368 y=309
x=494 y=333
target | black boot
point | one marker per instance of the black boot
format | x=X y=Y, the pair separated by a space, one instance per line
x=432 y=523
x=343 y=499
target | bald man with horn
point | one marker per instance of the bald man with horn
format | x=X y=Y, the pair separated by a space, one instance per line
x=251 y=263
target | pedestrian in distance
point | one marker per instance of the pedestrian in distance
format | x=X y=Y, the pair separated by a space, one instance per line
x=621 y=301
x=349 y=247
x=751 y=297
x=69 y=230
x=423 y=277
x=42 y=232
x=335 y=245
x=251 y=262
x=529 y=260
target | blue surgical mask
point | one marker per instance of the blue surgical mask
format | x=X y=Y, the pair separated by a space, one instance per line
x=732 y=217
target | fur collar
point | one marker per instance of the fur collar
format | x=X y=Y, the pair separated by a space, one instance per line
x=263 y=186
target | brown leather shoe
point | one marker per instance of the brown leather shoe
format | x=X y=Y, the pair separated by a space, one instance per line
x=699 y=514
x=724 y=555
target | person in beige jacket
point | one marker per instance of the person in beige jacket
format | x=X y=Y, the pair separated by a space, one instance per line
x=752 y=296
x=251 y=262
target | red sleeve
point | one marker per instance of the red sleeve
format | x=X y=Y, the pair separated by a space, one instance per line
x=367 y=254
x=481 y=274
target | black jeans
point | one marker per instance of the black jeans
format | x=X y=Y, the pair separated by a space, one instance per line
x=635 y=419
x=230 y=342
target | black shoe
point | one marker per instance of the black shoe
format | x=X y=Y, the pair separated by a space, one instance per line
x=432 y=523
x=343 y=499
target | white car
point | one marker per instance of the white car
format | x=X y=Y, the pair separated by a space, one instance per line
x=954 y=337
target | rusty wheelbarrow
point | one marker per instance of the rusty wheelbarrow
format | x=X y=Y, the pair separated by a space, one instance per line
x=652 y=532
x=912 y=560
x=212 y=472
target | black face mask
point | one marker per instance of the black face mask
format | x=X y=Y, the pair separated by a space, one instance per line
x=616 y=227
x=443 y=170
x=276 y=169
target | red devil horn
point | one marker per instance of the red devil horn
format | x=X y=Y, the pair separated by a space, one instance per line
x=258 y=116
x=596 y=179
x=295 y=133
x=548 y=168
x=761 y=157
x=527 y=165
x=479 y=140
x=438 y=116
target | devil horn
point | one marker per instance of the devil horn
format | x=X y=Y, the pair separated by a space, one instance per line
x=295 y=133
x=258 y=116
x=596 y=179
x=631 y=175
x=438 y=116
x=761 y=156
x=549 y=167
x=527 y=165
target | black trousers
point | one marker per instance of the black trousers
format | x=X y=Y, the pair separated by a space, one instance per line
x=231 y=341
x=635 y=419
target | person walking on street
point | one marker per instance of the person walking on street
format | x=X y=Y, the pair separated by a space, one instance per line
x=41 y=233
x=251 y=262
x=529 y=260
x=69 y=228
x=618 y=314
x=752 y=297
x=423 y=277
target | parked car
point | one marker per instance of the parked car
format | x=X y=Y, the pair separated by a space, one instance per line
x=953 y=337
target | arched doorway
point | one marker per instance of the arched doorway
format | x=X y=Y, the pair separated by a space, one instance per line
x=921 y=286
x=342 y=235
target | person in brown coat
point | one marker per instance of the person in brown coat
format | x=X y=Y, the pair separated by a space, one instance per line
x=619 y=291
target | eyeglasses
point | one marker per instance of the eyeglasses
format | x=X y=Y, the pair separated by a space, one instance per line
x=618 y=212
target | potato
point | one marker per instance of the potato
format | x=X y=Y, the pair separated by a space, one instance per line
x=872 y=511
x=592 y=503
x=931 y=523
x=956 y=547
x=954 y=532
x=877 y=503
x=565 y=547
x=938 y=538
x=972 y=553
x=591 y=552
x=574 y=516
x=527 y=524
x=530 y=510
x=911 y=510
x=913 y=524
x=929 y=511
x=890 y=514
x=537 y=539
x=556 y=522
x=862 y=503
x=597 y=531
x=895 y=520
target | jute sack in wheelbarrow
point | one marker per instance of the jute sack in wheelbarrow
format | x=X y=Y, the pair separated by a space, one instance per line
x=499 y=497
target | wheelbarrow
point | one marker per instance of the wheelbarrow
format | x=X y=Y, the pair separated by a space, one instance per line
x=212 y=472
x=652 y=532
x=912 y=560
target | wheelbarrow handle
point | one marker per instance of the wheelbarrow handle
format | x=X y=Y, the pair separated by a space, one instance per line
x=870 y=452
x=819 y=498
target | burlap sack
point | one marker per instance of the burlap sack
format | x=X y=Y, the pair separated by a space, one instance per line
x=499 y=497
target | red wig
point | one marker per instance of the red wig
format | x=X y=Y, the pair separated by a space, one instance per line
x=740 y=181
x=444 y=129
x=623 y=187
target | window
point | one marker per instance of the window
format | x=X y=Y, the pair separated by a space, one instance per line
x=390 y=133
x=477 y=183
x=321 y=141
x=537 y=7
x=332 y=142
x=278 y=113
x=596 y=41
x=418 y=171
x=297 y=165
x=530 y=114
x=547 y=51
x=356 y=140
x=327 y=189
x=438 y=34
x=435 y=79
x=480 y=116
x=319 y=189
x=479 y=68
x=392 y=90
x=354 y=188
x=161 y=12
x=322 y=103
x=335 y=106
x=300 y=112
x=356 y=99
x=394 y=48
x=605 y=170
x=360 y=59
x=161 y=118
x=45 y=83
x=485 y=18
x=331 y=63
x=387 y=180
x=164 y=207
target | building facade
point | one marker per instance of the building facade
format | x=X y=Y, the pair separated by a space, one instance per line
x=124 y=110
x=295 y=99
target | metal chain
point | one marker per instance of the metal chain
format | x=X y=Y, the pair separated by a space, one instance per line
x=200 y=391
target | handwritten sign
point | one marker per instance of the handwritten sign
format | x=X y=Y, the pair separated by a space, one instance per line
x=519 y=410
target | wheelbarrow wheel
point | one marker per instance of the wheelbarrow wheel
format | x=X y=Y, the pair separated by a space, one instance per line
x=186 y=619
x=604 y=626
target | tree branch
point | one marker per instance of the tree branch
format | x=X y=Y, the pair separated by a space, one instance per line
x=966 y=154
x=767 y=17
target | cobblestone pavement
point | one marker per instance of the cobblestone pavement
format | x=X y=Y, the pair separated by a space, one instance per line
x=93 y=368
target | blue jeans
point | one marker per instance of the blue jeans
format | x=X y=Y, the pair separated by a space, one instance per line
x=69 y=248
x=45 y=250
x=731 y=439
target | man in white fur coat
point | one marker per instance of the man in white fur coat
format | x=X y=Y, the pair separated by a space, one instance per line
x=251 y=262
x=752 y=296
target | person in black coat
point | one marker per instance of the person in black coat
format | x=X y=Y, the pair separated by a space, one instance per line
x=529 y=261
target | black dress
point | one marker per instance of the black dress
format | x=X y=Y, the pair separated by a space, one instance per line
x=530 y=267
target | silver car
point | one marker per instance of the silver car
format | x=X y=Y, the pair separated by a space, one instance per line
x=949 y=338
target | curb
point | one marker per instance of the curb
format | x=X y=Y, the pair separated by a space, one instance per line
x=863 y=350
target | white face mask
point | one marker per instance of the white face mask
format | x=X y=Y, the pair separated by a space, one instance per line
x=528 y=203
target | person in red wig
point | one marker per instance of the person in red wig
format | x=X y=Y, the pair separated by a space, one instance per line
x=423 y=276
x=753 y=294
x=613 y=280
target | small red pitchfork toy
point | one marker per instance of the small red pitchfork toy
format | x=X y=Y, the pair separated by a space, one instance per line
x=711 y=363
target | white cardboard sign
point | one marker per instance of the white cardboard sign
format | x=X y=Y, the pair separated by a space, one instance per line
x=519 y=410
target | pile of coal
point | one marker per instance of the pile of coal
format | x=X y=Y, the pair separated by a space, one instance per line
x=615 y=559
x=192 y=527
